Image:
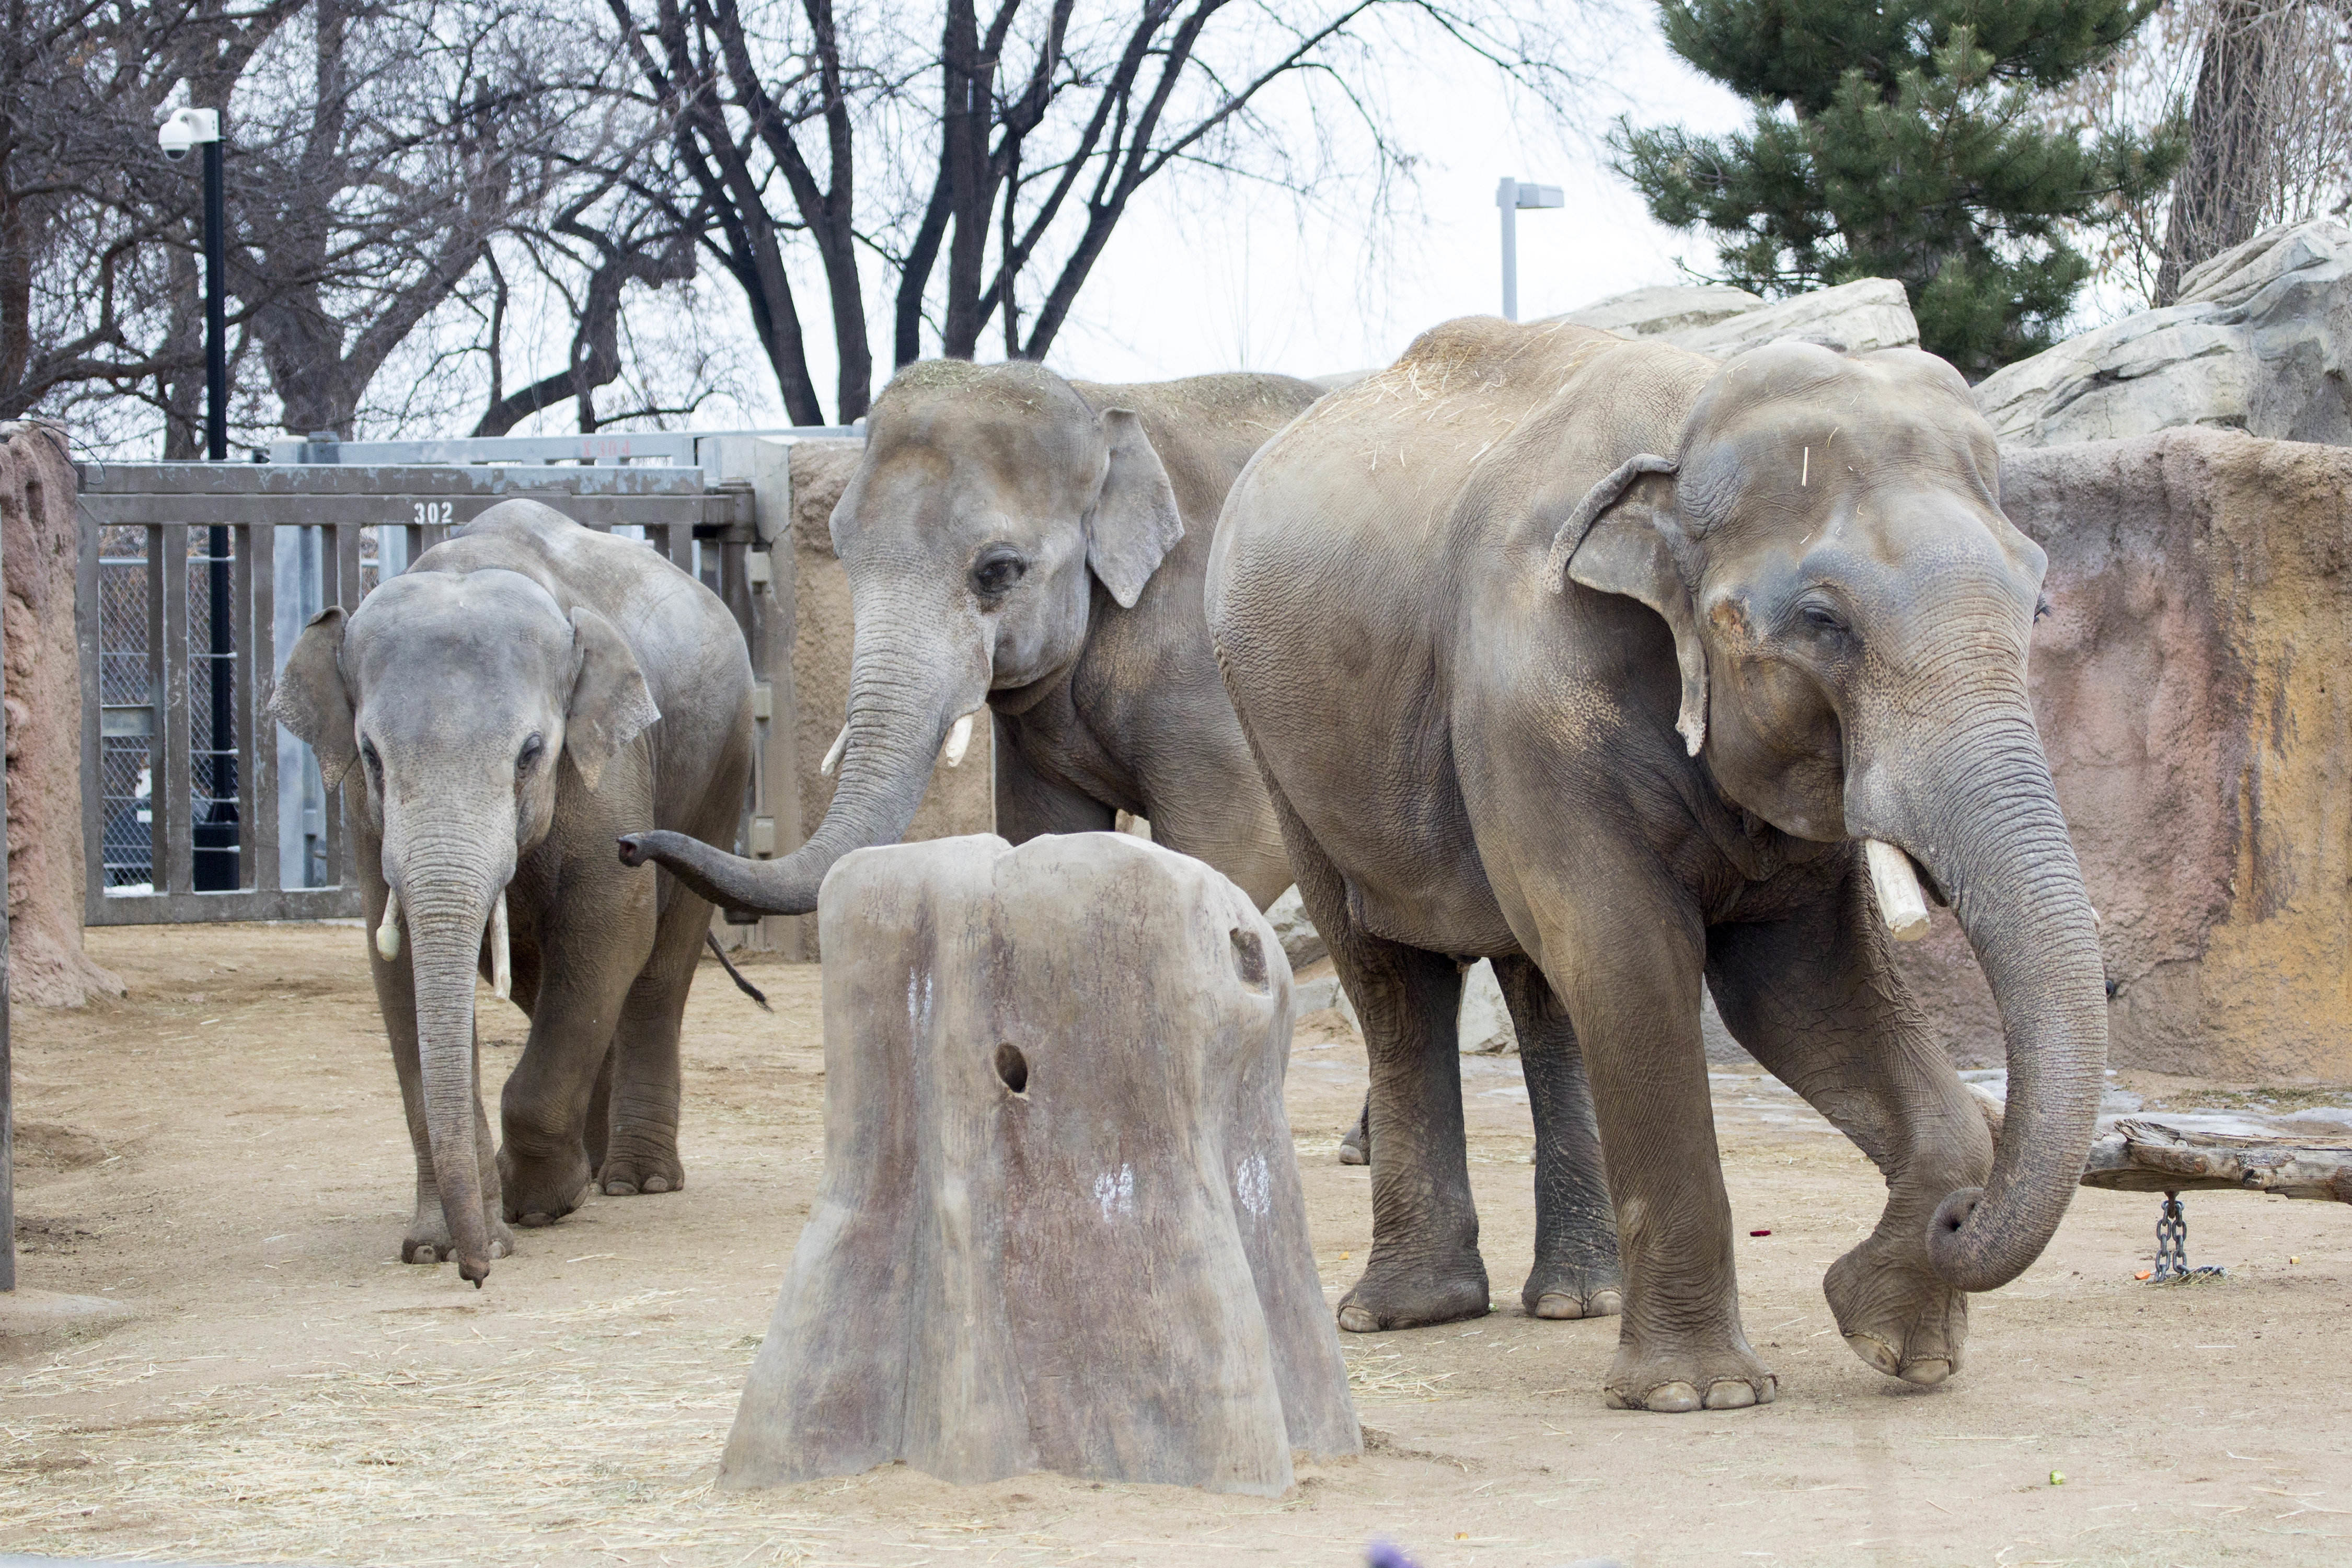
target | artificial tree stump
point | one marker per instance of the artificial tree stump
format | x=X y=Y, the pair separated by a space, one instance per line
x=1060 y=1226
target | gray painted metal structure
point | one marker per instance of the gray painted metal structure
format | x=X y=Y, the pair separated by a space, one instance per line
x=298 y=537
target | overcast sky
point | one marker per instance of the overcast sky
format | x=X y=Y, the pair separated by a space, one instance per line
x=1242 y=282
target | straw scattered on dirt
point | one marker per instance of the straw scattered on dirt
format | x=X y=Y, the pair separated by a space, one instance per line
x=223 y=1151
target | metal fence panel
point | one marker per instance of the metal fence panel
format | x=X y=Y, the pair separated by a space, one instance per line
x=240 y=823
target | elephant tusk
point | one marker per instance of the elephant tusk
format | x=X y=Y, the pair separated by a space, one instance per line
x=501 y=959
x=387 y=935
x=832 y=756
x=958 y=738
x=1901 y=904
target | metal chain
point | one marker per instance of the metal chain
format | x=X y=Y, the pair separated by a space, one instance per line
x=2172 y=1240
x=2172 y=1245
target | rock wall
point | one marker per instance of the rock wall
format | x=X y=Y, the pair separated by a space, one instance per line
x=961 y=799
x=37 y=540
x=2257 y=342
x=1866 y=314
x=2191 y=689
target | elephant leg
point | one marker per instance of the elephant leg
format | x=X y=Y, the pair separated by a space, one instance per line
x=1817 y=999
x=642 y=1155
x=1624 y=948
x=1356 y=1147
x=1424 y=1265
x=1576 y=1272
x=598 y=1131
x=1029 y=803
x=543 y=1163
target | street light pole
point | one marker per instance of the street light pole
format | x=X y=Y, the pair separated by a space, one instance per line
x=1511 y=195
x=218 y=868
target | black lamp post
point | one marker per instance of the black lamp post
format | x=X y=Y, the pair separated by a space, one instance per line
x=217 y=868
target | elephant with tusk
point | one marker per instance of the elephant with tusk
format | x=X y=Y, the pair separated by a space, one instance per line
x=1036 y=546
x=1639 y=672
x=526 y=691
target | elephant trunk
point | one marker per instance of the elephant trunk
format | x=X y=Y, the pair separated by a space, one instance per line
x=445 y=914
x=1982 y=815
x=903 y=698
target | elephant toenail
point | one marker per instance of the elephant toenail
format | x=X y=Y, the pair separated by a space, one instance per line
x=1614 y=1400
x=501 y=1249
x=1729 y=1393
x=1671 y=1398
x=617 y=1188
x=1351 y=1156
x=1604 y=1304
x=1876 y=1352
x=535 y=1219
x=1927 y=1374
x=1356 y=1321
x=1558 y=1304
x=656 y=1183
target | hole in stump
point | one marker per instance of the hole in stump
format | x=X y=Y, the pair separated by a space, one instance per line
x=1249 y=957
x=1013 y=1068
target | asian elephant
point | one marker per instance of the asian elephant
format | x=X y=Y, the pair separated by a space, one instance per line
x=1038 y=545
x=524 y=693
x=1608 y=661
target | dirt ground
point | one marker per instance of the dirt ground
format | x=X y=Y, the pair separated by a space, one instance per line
x=223 y=1152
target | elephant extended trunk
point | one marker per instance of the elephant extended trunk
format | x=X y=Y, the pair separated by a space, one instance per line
x=900 y=711
x=1990 y=831
x=444 y=938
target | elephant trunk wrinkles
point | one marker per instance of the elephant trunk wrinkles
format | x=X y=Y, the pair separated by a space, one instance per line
x=445 y=915
x=902 y=700
x=1983 y=818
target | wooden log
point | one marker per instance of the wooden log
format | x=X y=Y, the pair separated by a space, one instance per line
x=1060 y=1226
x=2142 y=1156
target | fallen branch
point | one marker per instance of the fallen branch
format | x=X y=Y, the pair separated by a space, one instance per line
x=2148 y=1157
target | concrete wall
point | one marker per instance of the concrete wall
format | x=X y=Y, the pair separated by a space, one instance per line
x=40 y=540
x=2193 y=685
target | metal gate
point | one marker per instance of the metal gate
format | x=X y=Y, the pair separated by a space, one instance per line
x=195 y=806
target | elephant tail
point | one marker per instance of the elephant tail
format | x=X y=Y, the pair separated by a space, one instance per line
x=745 y=986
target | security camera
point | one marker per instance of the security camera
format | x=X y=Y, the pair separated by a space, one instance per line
x=187 y=130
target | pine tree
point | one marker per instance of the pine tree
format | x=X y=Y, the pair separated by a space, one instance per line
x=1904 y=140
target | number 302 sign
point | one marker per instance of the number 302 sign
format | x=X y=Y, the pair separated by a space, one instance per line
x=435 y=513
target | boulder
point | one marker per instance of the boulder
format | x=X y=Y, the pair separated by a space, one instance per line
x=1060 y=1226
x=1301 y=942
x=1870 y=313
x=2257 y=342
x=2191 y=697
x=39 y=548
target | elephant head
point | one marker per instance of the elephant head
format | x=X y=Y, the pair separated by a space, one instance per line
x=1851 y=614
x=991 y=504
x=459 y=697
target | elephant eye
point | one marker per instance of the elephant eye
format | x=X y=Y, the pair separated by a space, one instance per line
x=529 y=755
x=367 y=754
x=1820 y=617
x=2042 y=611
x=995 y=572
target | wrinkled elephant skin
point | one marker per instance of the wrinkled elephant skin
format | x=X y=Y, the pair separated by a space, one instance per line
x=1037 y=545
x=526 y=691
x=1623 y=654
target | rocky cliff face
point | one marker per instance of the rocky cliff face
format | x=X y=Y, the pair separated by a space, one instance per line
x=2257 y=343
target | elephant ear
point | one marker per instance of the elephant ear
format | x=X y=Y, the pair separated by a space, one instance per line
x=1134 y=523
x=611 y=704
x=1622 y=539
x=312 y=701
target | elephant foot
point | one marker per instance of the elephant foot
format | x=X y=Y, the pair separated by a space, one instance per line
x=1356 y=1147
x=1896 y=1315
x=627 y=1176
x=541 y=1192
x=1721 y=1376
x=1415 y=1296
x=427 y=1240
x=1568 y=1290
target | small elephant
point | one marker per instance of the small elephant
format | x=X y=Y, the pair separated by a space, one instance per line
x=526 y=691
x=1037 y=544
x=1608 y=662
